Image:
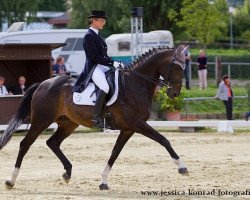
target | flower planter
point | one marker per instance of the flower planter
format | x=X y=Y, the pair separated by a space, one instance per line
x=173 y=116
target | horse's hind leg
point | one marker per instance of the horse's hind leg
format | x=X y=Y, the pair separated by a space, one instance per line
x=33 y=133
x=66 y=127
x=120 y=142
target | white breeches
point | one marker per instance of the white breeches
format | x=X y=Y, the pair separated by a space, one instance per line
x=99 y=78
x=202 y=78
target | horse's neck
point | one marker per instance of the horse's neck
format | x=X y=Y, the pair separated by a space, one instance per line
x=149 y=70
x=139 y=91
x=141 y=86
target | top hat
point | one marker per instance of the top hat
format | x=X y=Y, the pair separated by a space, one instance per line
x=98 y=14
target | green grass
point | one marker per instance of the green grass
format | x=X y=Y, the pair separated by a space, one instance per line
x=214 y=106
x=225 y=52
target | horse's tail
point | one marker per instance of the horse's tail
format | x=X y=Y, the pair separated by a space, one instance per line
x=19 y=117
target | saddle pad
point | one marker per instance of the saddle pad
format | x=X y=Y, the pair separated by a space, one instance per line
x=85 y=97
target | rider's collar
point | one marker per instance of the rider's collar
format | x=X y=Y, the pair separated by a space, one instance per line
x=95 y=30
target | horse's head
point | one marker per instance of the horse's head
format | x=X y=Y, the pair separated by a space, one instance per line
x=175 y=71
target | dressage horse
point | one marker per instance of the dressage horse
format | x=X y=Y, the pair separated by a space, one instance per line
x=51 y=101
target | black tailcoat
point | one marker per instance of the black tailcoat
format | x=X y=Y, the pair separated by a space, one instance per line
x=96 y=53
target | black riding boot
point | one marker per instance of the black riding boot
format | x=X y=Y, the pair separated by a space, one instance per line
x=100 y=100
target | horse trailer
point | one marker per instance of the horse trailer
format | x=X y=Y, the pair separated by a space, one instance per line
x=119 y=45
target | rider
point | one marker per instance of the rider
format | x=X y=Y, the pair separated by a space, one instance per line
x=97 y=63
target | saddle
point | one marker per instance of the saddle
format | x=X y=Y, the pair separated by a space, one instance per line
x=88 y=95
x=110 y=77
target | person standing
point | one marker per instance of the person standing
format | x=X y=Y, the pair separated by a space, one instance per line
x=247 y=115
x=97 y=63
x=187 y=68
x=225 y=93
x=202 y=69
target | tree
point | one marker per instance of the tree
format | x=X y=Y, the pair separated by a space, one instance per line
x=16 y=10
x=242 y=21
x=52 y=5
x=117 y=11
x=25 y=10
x=204 y=20
x=161 y=14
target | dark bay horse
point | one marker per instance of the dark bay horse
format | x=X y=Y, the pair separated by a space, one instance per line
x=51 y=101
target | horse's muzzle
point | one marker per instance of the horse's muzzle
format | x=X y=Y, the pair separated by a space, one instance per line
x=171 y=94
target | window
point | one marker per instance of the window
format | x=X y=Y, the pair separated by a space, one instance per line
x=78 y=45
x=123 y=46
x=70 y=44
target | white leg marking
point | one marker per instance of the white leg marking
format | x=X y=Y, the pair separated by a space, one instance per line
x=14 y=175
x=105 y=174
x=179 y=163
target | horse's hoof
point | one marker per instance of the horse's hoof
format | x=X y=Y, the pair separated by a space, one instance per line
x=104 y=187
x=66 y=177
x=8 y=185
x=183 y=171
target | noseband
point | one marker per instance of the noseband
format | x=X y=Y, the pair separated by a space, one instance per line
x=179 y=63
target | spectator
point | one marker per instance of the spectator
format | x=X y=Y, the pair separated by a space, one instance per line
x=247 y=115
x=225 y=93
x=187 y=68
x=3 y=89
x=59 y=67
x=202 y=70
x=21 y=87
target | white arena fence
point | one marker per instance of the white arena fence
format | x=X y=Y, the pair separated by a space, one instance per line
x=220 y=125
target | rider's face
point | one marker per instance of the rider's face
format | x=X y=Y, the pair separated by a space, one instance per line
x=98 y=23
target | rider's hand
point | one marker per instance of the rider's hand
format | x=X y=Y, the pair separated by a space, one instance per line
x=118 y=64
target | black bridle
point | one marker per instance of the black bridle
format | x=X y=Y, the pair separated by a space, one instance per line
x=167 y=83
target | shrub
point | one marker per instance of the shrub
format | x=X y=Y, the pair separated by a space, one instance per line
x=168 y=104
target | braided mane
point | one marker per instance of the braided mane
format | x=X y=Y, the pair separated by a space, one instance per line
x=146 y=56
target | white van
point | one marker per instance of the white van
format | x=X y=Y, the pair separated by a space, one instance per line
x=119 y=47
x=73 y=52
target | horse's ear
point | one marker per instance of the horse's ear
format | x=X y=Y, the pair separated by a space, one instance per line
x=179 y=52
x=185 y=50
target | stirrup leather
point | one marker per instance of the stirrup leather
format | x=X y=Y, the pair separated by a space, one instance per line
x=98 y=123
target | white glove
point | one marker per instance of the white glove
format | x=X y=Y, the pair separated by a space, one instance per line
x=118 y=64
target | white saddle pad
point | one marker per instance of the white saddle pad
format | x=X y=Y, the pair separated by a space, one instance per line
x=85 y=97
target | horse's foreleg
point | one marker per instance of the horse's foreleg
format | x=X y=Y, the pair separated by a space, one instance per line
x=54 y=143
x=120 y=142
x=149 y=132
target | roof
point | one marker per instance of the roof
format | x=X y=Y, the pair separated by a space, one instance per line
x=48 y=14
x=27 y=51
x=62 y=19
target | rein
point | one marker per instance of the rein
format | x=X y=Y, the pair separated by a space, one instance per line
x=151 y=79
x=160 y=82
